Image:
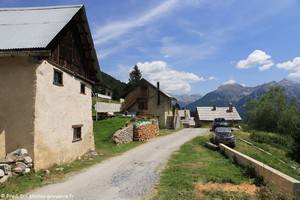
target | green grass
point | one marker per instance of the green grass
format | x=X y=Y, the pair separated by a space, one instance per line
x=194 y=163
x=278 y=153
x=103 y=131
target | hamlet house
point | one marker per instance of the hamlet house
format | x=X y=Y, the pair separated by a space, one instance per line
x=147 y=100
x=48 y=65
x=208 y=114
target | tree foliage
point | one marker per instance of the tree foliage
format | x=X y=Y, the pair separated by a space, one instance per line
x=274 y=112
x=117 y=86
x=135 y=76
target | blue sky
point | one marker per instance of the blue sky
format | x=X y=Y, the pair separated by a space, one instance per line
x=193 y=46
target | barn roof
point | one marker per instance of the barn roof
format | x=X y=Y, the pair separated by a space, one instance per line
x=208 y=114
x=33 y=27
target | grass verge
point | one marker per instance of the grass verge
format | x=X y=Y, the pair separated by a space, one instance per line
x=278 y=160
x=194 y=164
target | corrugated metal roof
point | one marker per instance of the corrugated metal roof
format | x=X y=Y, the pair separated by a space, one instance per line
x=25 y=28
x=207 y=114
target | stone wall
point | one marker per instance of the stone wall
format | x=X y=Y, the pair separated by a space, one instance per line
x=124 y=135
x=145 y=132
x=161 y=112
x=282 y=183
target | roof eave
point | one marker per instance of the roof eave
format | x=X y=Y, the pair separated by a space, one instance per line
x=25 y=52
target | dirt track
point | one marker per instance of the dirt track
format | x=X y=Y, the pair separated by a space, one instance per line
x=132 y=175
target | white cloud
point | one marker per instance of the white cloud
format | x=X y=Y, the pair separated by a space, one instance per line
x=172 y=81
x=211 y=78
x=293 y=65
x=229 y=82
x=115 y=29
x=257 y=58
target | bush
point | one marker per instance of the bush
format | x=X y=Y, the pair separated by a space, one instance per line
x=271 y=138
x=274 y=112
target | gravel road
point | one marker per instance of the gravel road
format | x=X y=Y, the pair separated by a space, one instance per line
x=131 y=175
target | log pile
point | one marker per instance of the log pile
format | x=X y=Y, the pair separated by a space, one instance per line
x=16 y=162
x=145 y=132
x=124 y=135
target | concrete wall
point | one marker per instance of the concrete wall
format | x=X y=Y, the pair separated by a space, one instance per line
x=279 y=181
x=104 y=107
x=57 y=109
x=17 y=94
x=161 y=111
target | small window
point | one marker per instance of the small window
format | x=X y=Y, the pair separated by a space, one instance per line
x=77 y=133
x=58 y=78
x=82 y=88
x=108 y=93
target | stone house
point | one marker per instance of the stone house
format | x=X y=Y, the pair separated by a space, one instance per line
x=48 y=66
x=147 y=100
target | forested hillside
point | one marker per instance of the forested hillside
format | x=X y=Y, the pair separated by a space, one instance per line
x=117 y=86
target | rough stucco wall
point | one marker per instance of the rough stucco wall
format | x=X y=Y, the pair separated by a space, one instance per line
x=162 y=111
x=17 y=93
x=58 y=108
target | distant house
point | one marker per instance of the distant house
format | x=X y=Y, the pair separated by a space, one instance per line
x=184 y=114
x=105 y=92
x=147 y=100
x=186 y=119
x=208 y=114
x=48 y=66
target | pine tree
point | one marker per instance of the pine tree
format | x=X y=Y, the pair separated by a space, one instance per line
x=135 y=76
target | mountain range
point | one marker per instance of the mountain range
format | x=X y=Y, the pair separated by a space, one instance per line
x=184 y=100
x=238 y=95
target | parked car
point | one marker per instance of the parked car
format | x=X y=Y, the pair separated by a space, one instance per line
x=219 y=122
x=223 y=135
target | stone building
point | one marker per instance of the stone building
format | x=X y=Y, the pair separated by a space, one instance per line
x=147 y=100
x=48 y=66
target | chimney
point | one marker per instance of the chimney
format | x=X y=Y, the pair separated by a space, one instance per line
x=158 y=94
x=230 y=108
x=214 y=108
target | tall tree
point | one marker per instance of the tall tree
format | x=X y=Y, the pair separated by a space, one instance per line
x=135 y=76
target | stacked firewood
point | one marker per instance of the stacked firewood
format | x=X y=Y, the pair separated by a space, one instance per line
x=145 y=132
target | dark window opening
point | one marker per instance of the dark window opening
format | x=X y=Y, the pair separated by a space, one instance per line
x=144 y=90
x=142 y=104
x=58 y=78
x=82 y=88
x=77 y=133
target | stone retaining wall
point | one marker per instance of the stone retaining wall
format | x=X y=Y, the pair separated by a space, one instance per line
x=145 y=132
x=124 y=135
x=282 y=183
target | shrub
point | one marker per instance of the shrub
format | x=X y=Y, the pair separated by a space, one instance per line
x=271 y=138
x=274 y=112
